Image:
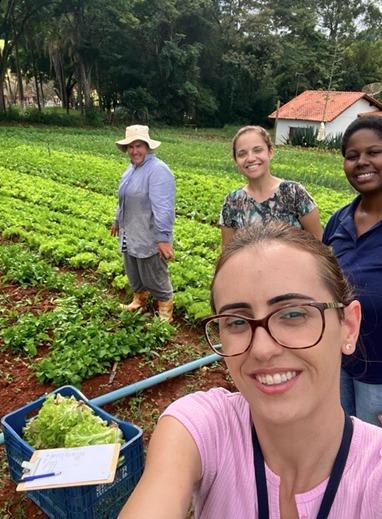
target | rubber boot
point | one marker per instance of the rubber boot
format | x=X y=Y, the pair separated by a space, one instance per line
x=139 y=302
x=165 y=310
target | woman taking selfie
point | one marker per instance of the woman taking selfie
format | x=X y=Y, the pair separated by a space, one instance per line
x=264 y=197
x=281 y=446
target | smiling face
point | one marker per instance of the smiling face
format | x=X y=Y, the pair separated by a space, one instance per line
x=363 y=161
x=137 y=151
x=283 y=385
x=252 y=155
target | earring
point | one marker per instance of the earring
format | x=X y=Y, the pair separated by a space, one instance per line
x=348 y=347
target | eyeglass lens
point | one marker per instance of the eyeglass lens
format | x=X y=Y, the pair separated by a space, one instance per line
x=293 y=327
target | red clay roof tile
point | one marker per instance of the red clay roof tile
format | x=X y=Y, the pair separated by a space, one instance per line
x=312 y=105
x=378 y=113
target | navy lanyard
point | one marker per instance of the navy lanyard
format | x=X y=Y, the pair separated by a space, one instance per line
x=333 y=483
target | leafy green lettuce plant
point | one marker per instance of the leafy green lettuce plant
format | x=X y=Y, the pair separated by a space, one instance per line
x=67 y=422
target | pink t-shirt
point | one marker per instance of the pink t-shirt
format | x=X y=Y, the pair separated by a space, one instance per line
x=219 y=422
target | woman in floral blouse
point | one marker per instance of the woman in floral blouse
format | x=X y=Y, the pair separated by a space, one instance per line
x=264 y=197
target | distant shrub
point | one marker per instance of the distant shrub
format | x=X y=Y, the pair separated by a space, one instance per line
x=332 y=142
x=12 y=114
x=121 y=115
x=137 y=106
x=53 y=117
x=94 y=117
x=307 y=138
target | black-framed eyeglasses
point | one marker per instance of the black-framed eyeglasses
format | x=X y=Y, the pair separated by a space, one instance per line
x=296 y=327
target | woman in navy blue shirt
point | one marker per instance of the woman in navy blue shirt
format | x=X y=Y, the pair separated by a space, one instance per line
x=355 y=234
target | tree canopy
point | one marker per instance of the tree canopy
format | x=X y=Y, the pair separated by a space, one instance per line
x=203 y=61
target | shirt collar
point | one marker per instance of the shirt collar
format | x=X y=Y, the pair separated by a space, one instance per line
x=347 y=218
x=148 y=157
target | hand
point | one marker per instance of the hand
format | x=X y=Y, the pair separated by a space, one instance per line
x=114 y=230
x=165 y=250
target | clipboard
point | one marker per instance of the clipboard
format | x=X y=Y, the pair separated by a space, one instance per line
x=75 y=466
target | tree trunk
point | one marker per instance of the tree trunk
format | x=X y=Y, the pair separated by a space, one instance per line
x=58 y=66
x=35 y=75
x=12 y=95
x=69 y=92
x=85 y=76
x=101 y=99
x=65 y=100
x=3 y=69
x=41 y=89
x=2 y=97
x=80 y=99
x=19 y=78
x=37 y=88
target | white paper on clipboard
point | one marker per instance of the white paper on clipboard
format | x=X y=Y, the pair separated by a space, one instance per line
x=76 y=466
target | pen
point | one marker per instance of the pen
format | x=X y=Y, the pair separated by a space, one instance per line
x=38 y=476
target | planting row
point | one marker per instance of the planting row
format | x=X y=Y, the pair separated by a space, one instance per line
x=59 y=198
x=202 y=182
x=84 y=327
x=67 y=239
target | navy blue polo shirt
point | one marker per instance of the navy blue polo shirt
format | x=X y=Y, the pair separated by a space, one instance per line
x=361 y=260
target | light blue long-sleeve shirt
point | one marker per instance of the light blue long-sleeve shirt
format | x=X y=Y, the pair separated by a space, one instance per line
x=146 y=209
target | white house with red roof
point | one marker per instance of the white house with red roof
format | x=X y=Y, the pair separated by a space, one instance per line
x=313 y=107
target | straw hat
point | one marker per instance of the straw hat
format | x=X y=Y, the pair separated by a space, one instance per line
x=137 y=132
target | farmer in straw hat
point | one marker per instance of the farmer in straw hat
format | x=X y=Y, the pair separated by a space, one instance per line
x=144 y=221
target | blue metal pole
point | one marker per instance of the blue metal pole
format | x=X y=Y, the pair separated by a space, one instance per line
x=149 y=382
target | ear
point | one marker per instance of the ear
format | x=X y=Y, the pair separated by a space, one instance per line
x=351 y=324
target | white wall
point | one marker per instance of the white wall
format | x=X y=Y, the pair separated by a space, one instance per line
x=284 y=125
x=338 y=125
x=341 y=122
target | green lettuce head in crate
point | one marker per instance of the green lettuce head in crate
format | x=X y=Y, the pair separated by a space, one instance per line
x=67 y=422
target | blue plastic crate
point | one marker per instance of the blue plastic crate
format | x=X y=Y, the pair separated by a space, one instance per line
x=86 y=502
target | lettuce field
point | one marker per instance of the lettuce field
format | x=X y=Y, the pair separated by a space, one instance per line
x=58 y=197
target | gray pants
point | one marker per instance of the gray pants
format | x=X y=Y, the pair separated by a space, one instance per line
x=149 y=274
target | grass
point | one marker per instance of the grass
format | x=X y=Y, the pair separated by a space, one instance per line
x=138 y=410
x=10 y=508
x=162 y=357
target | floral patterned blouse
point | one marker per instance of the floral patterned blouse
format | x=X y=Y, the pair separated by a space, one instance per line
x=289 y=203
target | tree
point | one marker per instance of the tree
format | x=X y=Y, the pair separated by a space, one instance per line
x=14 y=17
x=338 y=18
x=362 y=64
x=205 y=61
x=249 y=50
x=164 y=57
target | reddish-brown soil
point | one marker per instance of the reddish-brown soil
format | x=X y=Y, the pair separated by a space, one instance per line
x=18 y=386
